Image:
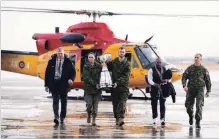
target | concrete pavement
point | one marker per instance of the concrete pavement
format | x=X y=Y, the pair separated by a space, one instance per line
x=26 y=112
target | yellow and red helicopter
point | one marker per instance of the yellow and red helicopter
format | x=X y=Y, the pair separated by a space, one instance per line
x=78 y=41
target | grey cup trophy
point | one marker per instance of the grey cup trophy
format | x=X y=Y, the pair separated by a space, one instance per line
x=105 y=78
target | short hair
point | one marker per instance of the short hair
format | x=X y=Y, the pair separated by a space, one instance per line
x=158 y=58
x=199 y=54
x=60 y=50
x=91 y=53
x=121 y=48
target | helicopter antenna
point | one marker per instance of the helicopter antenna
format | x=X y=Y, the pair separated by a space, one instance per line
x=94 y=16
x=149 y=39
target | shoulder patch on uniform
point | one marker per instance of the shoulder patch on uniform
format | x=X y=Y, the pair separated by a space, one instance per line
x=207 y=73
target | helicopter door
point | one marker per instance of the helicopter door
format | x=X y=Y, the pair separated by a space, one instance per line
x=74 y=56
x=84 y=55
x=129 y=57
x=136 y=77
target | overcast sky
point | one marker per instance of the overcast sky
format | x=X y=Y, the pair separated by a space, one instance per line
x=174 y=36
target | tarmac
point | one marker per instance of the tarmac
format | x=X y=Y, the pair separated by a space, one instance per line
x=26 y=112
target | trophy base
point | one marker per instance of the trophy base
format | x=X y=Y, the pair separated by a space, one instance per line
x=106 y=89
x=103 y=85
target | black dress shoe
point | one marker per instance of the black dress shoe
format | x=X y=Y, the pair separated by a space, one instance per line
x=62 y=120
x=162 y=124
x=56 y=121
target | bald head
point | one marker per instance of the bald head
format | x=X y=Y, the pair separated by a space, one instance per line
x=60 y=52
x=158 y=62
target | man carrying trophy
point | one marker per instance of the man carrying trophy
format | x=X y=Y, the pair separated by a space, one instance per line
x=120 y=69
x=92 y=92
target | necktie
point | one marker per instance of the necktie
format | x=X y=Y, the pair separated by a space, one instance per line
x=60 y=66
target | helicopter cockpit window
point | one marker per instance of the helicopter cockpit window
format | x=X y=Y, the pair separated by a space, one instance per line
x=134 y=63
x=144 y=61
x=150 y=54
x=146 y=55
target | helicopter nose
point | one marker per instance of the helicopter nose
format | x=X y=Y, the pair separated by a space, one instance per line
x=176 y=74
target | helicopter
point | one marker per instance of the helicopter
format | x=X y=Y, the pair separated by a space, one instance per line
x=81 y=39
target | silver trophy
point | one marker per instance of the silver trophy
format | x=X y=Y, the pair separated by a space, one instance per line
x=105 y=78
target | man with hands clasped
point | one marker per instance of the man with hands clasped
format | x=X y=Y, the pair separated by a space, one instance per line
x=158 y=78
x=92 y=91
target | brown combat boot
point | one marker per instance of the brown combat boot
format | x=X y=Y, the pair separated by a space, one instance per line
x=198 y=124
x=94 y=121
x=121 y=122
x=88 y=117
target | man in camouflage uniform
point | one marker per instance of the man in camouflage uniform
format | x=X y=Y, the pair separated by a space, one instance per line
x=198 y=77
x=120 y=69
x=92 y=92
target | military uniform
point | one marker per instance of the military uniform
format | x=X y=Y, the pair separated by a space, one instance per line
x=120 y=76
x=92 y=95
x=198 y=77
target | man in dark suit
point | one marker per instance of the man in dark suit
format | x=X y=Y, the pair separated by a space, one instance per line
x=159 y=90
x=59 y=77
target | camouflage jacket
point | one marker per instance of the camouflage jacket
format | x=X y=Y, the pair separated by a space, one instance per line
x=91 y=77
x=198 y=77
x=120 y=72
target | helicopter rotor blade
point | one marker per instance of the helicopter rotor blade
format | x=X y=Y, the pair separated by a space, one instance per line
x=164 y=15
x=38 y=10
x=99 y=13
x=24 y=8
x=33 y=11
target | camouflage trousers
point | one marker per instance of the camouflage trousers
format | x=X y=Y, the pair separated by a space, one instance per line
x=119 y=100
x=92 y=101
x=198 y=94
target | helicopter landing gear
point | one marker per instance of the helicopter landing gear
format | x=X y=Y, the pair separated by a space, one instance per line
x=144 y=93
